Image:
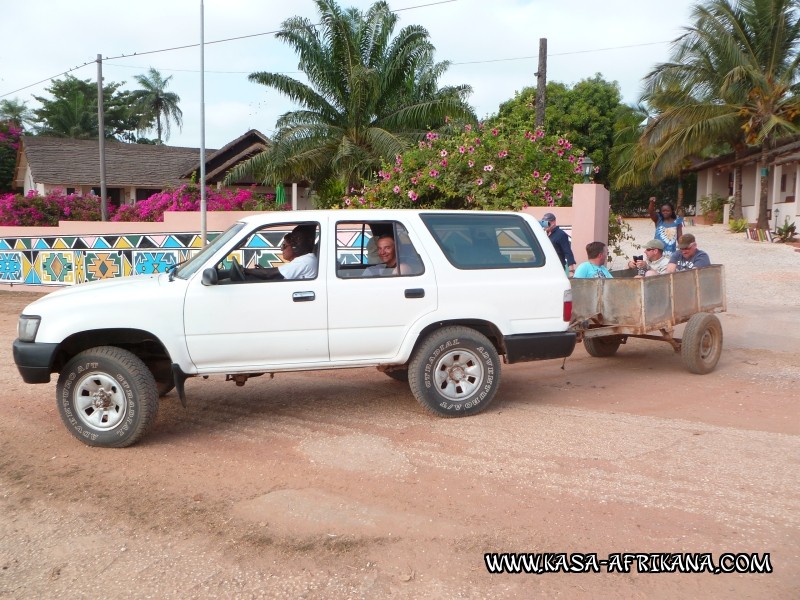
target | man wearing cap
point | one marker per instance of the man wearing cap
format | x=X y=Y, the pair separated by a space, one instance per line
x=560 y=241
x=688 y=256
x=655 y=262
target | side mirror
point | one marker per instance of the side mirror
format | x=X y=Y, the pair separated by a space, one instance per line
x=209 y=276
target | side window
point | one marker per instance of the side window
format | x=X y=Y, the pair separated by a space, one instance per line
x=274 y=252
x=485 y=241
x=375 y=249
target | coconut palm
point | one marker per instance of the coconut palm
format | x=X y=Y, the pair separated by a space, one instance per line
x=369 y=96
x=156 y=105
x=733 y=79
x=16 y=111
x=70 y=117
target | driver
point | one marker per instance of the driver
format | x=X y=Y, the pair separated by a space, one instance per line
x=298 y=252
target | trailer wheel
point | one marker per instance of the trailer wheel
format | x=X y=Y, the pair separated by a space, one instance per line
x=702 y=343
x=602 y=346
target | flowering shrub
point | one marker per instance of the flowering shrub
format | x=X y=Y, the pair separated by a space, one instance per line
x=35 y=210
x=477 y=168
x=186 y=198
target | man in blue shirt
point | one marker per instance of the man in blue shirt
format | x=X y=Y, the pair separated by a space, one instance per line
x=596 y=265
x=688 y=256
x=560 y=241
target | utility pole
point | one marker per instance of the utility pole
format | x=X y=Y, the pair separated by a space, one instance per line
x=203 y=201
x=101 y=138
x=541 y=83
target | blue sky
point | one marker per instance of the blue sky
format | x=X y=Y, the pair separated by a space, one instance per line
x=493 y=45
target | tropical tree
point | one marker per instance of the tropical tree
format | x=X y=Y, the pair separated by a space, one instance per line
x=733 y=79
x=155 y=105
x=16 y=112
x=370 y=96
x=586 y=113
x=72 y=110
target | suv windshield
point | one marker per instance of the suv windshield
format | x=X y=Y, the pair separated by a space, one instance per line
x=191 y=266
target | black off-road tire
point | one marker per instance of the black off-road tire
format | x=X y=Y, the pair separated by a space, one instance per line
x=400 y=375
x=455 y=372
x=701 y=345
x=107 y=397
x=602 y=347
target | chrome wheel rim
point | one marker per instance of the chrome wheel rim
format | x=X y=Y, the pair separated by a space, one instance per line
x=458 y=374
x=99 y=401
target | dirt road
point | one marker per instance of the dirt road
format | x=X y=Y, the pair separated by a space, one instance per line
x=338 y=485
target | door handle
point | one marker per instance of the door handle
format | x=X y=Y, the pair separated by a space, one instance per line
x=415 y=293
x=303 y=296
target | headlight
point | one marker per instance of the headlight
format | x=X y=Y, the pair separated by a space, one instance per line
x=27 y=328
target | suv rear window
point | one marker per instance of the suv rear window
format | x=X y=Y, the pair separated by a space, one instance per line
x=484 y=241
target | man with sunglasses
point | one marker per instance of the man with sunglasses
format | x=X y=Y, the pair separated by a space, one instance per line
x=298 y=254
x=655 y=261
x=688 y=256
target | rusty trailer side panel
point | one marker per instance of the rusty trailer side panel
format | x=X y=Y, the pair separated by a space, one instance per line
x=634 y=306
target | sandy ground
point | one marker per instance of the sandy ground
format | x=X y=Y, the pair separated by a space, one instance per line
x=338 y=485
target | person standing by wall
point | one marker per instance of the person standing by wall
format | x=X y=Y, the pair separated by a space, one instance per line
x=669 y=226
x=560 y=241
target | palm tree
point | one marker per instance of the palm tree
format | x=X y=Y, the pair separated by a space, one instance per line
x=70 y=117
x=369 y=96
x=156 y=105
x=733 y=79
x=16 y=111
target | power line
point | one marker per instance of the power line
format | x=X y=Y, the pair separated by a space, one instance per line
x=252 y=35
x=240 y=37
x=452 y=63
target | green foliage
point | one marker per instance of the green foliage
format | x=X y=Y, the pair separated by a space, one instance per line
x=618 y=232
x=713 y=204
x=787 y=231
x=72 y=110
x=586 y=113
x=732 y=79
x=329 y=193
x=369 y=96
x=9 y=143
x=738 y=225
x=15 y=111
x=477 y=168
x=632 y=201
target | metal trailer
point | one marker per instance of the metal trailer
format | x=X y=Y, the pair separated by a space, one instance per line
x=606 y=312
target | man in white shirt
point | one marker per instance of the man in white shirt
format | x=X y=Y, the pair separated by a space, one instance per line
x=388 y=254
x=655 y=261
x=298 y=254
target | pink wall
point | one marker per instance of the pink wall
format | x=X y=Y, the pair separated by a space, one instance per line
x=587 y=217
x=174 y=222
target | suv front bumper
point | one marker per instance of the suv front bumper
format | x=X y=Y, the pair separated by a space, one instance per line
x=34 y=360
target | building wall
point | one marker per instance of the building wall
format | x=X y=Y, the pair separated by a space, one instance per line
x=780 y=204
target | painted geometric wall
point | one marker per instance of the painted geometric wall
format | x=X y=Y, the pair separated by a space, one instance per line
x=69 y=260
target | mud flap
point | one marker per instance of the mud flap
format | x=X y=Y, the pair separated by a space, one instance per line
x=180 y=378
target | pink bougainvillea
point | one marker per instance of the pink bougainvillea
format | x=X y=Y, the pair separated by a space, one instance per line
x=37 y=210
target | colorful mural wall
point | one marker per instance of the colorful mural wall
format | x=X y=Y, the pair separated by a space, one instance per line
x=68 y=260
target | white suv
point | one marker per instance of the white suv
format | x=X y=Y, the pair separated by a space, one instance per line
x=461 y=289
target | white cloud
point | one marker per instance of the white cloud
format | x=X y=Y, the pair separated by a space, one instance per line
x=49 y=38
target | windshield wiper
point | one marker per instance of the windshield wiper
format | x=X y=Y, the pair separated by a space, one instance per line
x=172 y=268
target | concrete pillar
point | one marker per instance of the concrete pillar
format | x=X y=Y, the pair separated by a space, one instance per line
x=294 y=195
x=590 y=210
